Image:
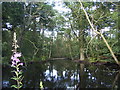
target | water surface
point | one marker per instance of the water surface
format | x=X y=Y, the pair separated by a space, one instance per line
x=64 y=74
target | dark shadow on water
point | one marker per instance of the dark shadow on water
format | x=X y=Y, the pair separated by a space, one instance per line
x=65 y=74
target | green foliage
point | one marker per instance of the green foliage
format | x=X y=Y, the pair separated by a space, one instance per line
x=92 y=59
x=69 y=31
x=18 y=77
x=12 y=13
x=43 y=58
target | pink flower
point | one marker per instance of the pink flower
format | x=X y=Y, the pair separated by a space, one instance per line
x=21 y=64
x=12 y=57
x=17 y=55
x=13 y=62
x=17 y=60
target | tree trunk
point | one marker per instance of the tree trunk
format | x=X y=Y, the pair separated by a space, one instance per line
x=70 y=50
x=81 y=43
x=50 y=52
x=82 y=57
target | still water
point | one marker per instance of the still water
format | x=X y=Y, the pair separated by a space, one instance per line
x=64 y=74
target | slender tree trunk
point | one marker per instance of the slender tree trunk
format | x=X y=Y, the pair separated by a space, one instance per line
x=81 y=43
x=50 y=52
x=42 y=41
x=82 y=57
x=70 y=46
x=70 y=50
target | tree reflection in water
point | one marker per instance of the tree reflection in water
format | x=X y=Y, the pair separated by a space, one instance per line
x=65 y=74
x=117 y=79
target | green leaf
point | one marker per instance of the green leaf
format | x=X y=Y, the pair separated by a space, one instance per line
x=14 y=78
x=15 y=86
x=17 y=73
x=20 y=72
x=21 y=79
x=20 y=83
x=20 y=86
x=20 y=76
x=13 y=71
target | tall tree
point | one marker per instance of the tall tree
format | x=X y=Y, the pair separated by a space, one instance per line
x=79 y=25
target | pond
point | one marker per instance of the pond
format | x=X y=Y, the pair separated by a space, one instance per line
x=64 y=74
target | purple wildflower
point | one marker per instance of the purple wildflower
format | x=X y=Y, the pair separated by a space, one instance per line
x=17 y=55
x=21 y=64
x=13 y=63
x=12 y=57
x=16 y=60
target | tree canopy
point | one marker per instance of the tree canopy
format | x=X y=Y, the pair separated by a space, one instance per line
x=43 y=32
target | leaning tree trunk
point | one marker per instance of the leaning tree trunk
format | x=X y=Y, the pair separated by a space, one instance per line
x=105 y=41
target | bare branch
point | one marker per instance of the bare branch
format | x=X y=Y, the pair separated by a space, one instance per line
x=37 y=49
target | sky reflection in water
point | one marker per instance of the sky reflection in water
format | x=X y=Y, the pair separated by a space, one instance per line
x=64 y=74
